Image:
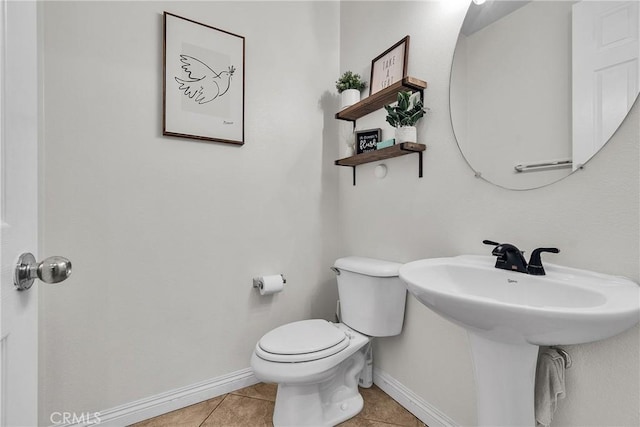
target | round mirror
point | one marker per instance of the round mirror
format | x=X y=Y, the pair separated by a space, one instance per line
x=538 y=87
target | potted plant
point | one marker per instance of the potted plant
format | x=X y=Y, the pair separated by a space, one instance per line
x=349 y=87
x=404 y=115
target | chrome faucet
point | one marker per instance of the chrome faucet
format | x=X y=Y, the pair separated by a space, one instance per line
x=511 y=258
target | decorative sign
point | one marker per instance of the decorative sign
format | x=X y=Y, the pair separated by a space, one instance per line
x=389 y=67
x=203 y=82
x=367 y=140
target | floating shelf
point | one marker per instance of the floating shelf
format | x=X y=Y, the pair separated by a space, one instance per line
x=382 y=154
x=381 y=98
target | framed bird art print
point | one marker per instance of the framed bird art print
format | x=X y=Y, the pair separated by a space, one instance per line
x=203 y=82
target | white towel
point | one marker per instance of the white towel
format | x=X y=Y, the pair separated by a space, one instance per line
x=549 y=385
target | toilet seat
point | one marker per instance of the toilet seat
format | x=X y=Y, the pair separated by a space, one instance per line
x=302 y=341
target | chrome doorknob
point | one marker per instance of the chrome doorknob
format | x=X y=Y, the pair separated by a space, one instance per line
x=54 y=269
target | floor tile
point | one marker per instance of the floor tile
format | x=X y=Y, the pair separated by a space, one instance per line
x=259 y=391
x=362 y=422
x=378 y=406
x=240 y=411
x=191 y=416
x=253 y=406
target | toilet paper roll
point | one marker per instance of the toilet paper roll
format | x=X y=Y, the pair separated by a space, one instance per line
x=271 y=284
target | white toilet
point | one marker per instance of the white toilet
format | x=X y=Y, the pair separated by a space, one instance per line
x=317 y=363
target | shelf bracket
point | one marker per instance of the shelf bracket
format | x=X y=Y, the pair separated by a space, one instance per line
x=419 y=153
x=382 y=154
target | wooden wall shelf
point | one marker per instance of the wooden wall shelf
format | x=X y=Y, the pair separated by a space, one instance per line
x=382 y=154
x=383 y=97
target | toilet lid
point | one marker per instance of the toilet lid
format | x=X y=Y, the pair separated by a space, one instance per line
x=302 y=341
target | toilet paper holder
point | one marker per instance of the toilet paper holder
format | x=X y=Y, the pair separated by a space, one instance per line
x=257 y=280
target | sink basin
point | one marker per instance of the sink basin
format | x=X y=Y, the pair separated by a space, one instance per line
x=567 y=306
x=508 y=315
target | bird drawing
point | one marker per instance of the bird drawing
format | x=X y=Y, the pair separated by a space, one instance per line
x=200 y=82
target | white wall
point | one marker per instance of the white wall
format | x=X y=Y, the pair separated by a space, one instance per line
x=593 y=216
x=165 y=234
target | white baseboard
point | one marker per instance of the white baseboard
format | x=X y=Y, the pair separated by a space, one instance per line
x=172 y=400
x=168 y=401
x=413 y=403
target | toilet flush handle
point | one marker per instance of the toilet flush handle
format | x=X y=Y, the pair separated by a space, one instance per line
x=335 y=270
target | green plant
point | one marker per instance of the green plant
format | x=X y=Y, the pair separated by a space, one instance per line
x=350 y=80
x=404 y=113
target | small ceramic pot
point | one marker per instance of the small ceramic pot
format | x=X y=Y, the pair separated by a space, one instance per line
x=406 y=134
x=349 y=97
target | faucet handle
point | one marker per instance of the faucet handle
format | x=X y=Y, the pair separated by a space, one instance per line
x=502 y=248
x=535 y=262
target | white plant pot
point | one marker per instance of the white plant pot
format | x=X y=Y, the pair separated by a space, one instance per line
x=406 y=134
x=349 y=97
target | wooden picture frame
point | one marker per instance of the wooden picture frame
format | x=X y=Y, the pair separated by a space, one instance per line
x=203 y=85
x=390 y=66
x=367 y=140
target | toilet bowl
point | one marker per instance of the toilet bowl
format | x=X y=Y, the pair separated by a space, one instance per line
x=317 y=363
x=319 y=388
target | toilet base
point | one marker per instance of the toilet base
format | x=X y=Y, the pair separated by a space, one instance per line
x=321 y=404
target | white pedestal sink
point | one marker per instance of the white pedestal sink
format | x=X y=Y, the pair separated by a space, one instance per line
x=508 y=315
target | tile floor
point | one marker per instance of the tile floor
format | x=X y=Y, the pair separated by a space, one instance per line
x=253 y=407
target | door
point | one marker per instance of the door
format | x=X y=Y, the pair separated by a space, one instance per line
x=18 y=210
x=606 y=78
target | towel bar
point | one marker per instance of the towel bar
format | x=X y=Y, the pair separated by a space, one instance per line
x=565 y=356
x=554 y=164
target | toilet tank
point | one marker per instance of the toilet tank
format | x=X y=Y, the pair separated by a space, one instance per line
x=372 y=296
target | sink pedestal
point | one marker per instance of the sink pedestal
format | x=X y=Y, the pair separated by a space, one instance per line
x=505 y=381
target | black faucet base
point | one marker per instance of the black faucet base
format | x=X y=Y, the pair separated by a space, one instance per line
x=506 y=265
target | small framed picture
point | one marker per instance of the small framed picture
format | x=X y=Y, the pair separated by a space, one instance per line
x=203 y=82
x=367 y=140
x=390 y=66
